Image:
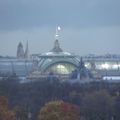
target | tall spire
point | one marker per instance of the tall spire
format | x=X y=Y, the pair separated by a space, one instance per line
x=27 y=51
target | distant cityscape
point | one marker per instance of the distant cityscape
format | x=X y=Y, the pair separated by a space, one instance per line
x=57 y=61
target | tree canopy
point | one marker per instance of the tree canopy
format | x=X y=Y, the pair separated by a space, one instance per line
x=5 y=113
x=59 y=110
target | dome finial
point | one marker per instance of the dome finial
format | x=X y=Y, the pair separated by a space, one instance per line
x=56 y=47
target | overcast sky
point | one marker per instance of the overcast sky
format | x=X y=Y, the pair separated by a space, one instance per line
x=87 y=26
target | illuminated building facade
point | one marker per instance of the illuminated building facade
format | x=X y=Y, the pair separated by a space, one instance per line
x=57 y=61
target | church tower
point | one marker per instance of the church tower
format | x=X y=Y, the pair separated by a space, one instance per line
x=26 y=55
x=20 y=51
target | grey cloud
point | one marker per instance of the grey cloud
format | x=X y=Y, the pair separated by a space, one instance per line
x=80 y=41
x=75 y=13
x=88 y=26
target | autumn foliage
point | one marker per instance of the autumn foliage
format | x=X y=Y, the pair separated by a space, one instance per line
x=5 y=113
x=59 y=110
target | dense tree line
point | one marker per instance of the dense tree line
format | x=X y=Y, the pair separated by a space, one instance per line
x=96 y=100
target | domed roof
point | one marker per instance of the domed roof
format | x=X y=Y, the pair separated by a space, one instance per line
x=56 y=51
x=57 y=54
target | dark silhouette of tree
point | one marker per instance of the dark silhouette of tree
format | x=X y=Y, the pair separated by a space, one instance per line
x=97 y=106
x=21 y=112
x=116 y=115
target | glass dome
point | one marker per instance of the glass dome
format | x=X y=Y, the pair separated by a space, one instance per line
x=57 y=61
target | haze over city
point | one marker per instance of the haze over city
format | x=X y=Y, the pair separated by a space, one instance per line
x=87 y=26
